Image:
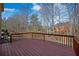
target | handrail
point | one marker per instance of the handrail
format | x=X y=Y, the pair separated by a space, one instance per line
x=43 y=34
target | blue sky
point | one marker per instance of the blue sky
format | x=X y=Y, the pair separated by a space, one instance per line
x=12 y=8
x=17 y=5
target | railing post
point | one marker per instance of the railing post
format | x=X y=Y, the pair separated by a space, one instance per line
x=44 y=37
x=11 y=38
x=32 y=35
x=76 y=46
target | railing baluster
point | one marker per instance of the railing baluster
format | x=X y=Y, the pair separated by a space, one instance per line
x=60 y=40
x=63 y=41
x=68 y=42
x=56 y=38
x=72 y=42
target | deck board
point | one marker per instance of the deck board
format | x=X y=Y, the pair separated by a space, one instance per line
x=30 y=47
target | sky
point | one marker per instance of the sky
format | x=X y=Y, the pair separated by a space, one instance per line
x=13 y=8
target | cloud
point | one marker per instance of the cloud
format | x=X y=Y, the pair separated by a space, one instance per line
x=34 y=4
x=9 y=12
x=36 y=7
x=9 y=9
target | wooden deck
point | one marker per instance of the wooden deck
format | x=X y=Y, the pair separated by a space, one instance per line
x=33 y=47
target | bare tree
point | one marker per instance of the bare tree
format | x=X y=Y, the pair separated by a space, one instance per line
x=47 y=15
x=35 y=23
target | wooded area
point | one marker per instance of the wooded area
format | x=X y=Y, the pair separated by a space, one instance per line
x=51 y=18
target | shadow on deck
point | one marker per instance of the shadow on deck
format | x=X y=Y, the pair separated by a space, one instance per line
x=30 y=47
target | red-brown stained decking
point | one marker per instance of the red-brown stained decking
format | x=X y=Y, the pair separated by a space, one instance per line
x=32 y=47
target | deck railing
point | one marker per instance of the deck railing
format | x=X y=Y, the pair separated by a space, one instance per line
x=63 y=40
